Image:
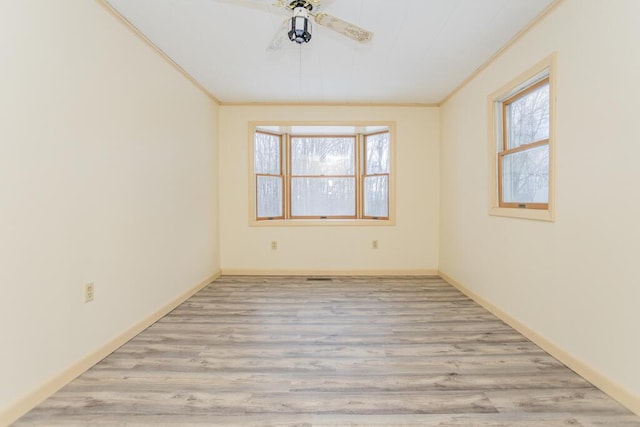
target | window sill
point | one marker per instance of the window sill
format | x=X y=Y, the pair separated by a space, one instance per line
x=322 y=223
x=534 y=214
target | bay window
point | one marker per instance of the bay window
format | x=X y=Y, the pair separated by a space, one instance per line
x=322 y=172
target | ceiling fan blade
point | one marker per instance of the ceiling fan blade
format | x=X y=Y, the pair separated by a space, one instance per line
x=264 y=5
x=279 y=37
x=348 y=29
x=246 y=3
x=323 y=4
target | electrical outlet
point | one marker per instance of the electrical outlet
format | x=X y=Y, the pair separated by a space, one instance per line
x=374 y=244
x=88 y=292
x=274 y=245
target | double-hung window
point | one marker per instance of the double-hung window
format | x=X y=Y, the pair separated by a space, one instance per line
x=523 y=161
x=323 y=177
x=267 y=164
x=377 y=167
x=322 y=172
x=522 y=116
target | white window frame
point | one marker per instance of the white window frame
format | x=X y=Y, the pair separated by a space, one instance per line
x=360 y=220
x=541 y=71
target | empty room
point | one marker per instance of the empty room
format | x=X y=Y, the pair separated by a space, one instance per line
x=319 y=213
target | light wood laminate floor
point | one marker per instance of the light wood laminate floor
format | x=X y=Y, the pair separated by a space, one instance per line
x=356 y=351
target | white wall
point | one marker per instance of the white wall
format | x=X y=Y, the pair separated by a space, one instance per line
x=107 y=174
x=410 y=246
x=574 y=281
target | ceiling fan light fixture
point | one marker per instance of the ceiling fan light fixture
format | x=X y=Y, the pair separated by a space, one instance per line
x=300 y=28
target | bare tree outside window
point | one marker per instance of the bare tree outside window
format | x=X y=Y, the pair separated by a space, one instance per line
x=323 y=155
x=269 y=190
x=525 y=176
x=528 y=118
x=323 y=197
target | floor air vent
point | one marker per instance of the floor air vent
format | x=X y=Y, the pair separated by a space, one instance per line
x=319 y=279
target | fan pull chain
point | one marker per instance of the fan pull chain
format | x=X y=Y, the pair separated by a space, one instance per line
x=300 y=72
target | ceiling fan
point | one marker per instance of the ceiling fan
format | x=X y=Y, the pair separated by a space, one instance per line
x=298 y=27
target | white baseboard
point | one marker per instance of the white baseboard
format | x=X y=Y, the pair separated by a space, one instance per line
x=24 y=404
x=616 y=391
x=311 y=272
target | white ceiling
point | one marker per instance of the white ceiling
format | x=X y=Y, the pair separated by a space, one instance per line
x=420 y=52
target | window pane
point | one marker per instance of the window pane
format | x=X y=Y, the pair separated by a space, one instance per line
x=323 y=156
x=528 y=118
x=525 y=176
x=269 y=189
x=376 y=196
x=378 y=153
x=266 y=154
x=323 y=196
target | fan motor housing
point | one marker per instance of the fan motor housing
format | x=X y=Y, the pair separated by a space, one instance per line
x=301 y=3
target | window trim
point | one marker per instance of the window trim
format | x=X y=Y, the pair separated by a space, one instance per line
x=526 y=82
x=317 y=221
